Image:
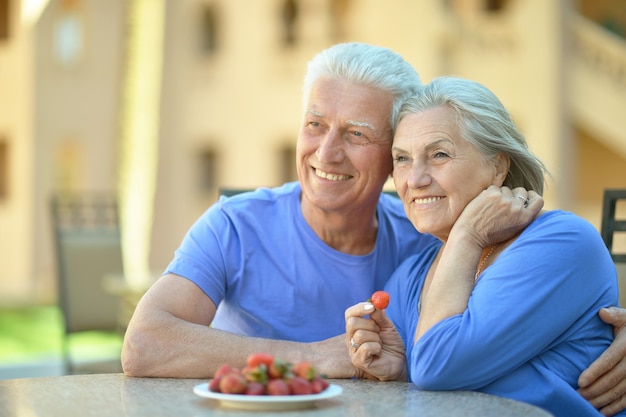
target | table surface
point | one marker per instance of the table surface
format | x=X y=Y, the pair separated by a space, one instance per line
x=118 y=395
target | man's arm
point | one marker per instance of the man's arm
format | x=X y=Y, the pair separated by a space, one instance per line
x=604 y=382
x=169 y=335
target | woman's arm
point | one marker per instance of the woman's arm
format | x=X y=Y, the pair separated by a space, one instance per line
x=536 y=295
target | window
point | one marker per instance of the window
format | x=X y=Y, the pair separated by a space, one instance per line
x=494 y=5
x=339 y=10
x=288 y=164
x=68 y=38
x=289 y=19
x=208 y=29
x=207 y=170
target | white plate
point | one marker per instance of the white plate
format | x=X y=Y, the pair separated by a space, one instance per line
x=267 y=402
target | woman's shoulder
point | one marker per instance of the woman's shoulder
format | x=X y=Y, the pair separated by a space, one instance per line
x=564 y=232
x=563 y=221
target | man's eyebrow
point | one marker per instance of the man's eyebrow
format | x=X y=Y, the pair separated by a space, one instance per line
x=350 y=122
x=361 y=124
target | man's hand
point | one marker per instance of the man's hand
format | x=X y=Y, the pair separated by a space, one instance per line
x=604 y=382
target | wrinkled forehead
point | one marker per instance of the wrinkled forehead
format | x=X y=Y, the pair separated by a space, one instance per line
x=362 y=104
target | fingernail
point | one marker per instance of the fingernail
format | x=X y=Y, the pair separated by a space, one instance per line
x=368 y=307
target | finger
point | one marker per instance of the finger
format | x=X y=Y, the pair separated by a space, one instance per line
x=521 y=191
x=381 y=319
x=610 y=398
x=364 y=356
x=605 y=367
x=601 y=375
x=359 y=331
x=614 y=316
x=359 y=310
x=361 y=337
x=614 y=408
x=535 y=202
x=506 y=191
x=369 y=350
x=607 y=387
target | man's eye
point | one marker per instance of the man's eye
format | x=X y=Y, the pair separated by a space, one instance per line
x=358 y=138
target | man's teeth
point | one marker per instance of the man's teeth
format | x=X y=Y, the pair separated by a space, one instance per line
x=331 y=177
x=426 y=200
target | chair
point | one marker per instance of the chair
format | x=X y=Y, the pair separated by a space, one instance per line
x=610 y=225
x=229 y=192
x=88 y=247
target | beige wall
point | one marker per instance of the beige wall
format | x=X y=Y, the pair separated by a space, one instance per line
x=243 y=104
x=16 y=103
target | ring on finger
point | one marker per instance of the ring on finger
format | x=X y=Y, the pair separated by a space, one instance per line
x=354 y=344
x=523 y=198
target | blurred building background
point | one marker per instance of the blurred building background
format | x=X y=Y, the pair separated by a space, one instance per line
x=165 y=101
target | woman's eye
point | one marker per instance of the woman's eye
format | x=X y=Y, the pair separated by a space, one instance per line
x=440 y=154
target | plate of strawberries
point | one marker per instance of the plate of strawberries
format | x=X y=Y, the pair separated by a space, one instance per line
x=268 y=383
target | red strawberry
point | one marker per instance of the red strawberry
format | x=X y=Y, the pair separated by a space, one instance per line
x=279 y=369
x=380 y=299
x=255 y=374
x=304 y=370
x=319 y=384
x=299 y=386
x=255 y=388
x=214 y=384
x=223 y=370
x=257 y=359
x=233 y=383
x=277 y=387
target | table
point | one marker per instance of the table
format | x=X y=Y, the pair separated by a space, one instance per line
x=117 y=395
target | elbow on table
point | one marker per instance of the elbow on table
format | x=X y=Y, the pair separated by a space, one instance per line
x=134 y=357
x=430 y=383
x=427 y=378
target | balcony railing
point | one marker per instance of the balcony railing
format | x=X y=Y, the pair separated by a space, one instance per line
x=597 y=71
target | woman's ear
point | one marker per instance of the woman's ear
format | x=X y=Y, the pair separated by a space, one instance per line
x=502 y=163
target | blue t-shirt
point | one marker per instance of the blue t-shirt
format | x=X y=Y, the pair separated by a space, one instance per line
x=531 y=326
x=271 y=276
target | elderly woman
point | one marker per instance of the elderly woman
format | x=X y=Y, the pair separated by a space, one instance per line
x=521 y=321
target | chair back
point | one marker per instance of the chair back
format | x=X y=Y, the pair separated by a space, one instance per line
x=610 y=223
x=88 y=247
x=609 y=226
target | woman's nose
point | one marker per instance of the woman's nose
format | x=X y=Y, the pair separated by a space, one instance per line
x=419 y=176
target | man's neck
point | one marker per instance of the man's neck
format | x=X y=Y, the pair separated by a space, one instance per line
x=352 y=232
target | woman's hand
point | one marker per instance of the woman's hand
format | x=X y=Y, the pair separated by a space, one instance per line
x=497 y=214
x=375 y=346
